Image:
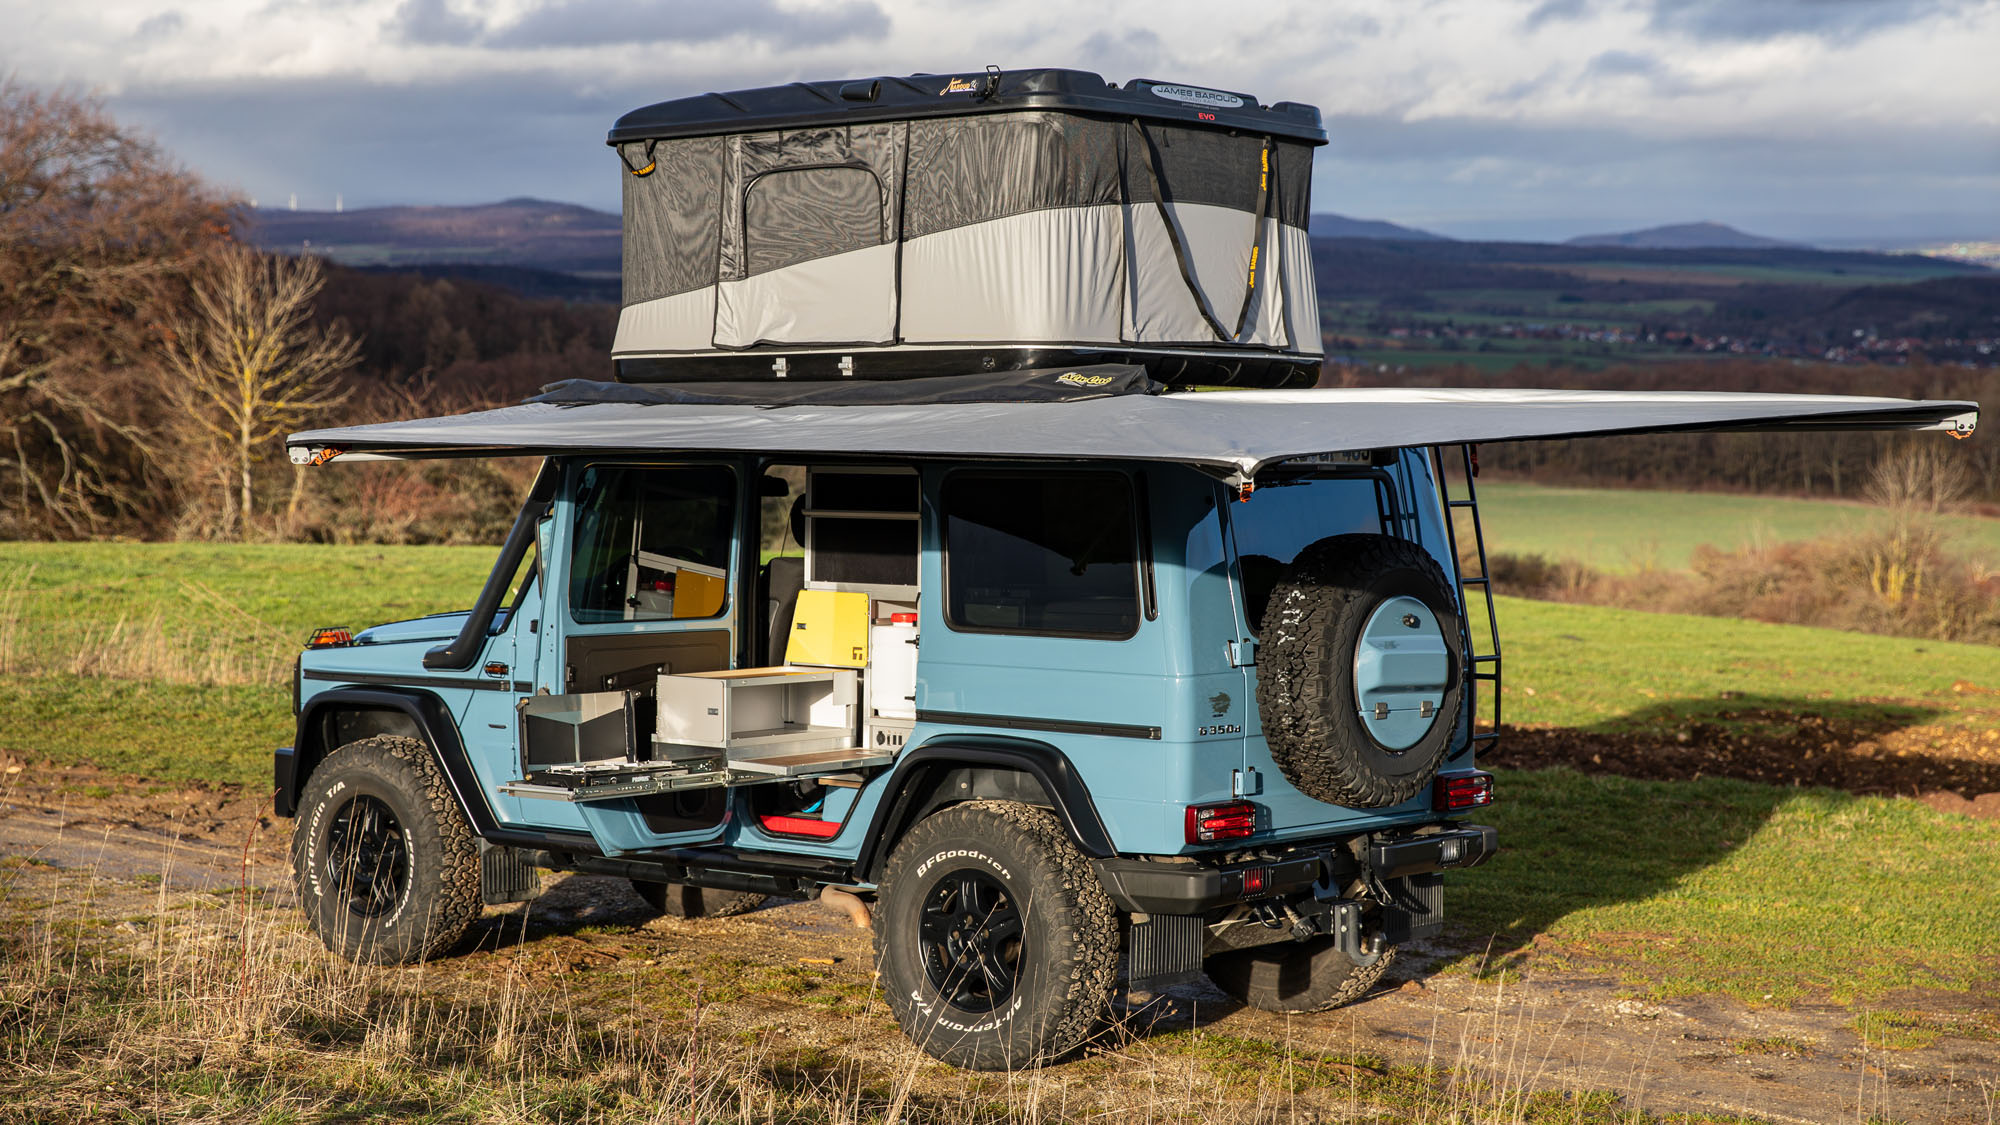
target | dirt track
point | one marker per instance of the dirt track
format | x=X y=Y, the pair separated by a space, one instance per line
x=1552 y=1029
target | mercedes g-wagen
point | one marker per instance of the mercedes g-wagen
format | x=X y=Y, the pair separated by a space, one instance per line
x=897 y=560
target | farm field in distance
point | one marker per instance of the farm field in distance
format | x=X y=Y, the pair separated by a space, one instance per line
x=1405 y=306
x=1669 y=876
x=1631 y=529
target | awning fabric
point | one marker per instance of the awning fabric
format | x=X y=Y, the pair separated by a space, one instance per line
x=1233 y=434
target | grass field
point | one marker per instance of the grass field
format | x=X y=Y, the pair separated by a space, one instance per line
x=1766 y=894
x=1632 y=529
x=1708 y=885
x=1609 y=669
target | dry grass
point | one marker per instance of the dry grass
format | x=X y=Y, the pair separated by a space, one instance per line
x=219 y=1007
x=1899 y=580
x=233 y=646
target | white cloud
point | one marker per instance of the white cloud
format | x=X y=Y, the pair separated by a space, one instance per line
x=1697 y=105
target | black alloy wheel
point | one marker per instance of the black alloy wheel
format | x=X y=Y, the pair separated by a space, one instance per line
x=386 y=867
x=970 y=936
x=367 y=856
x=995 y=941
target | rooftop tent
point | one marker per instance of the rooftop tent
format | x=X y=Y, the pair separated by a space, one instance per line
x=893 y=227
x=1233 y=434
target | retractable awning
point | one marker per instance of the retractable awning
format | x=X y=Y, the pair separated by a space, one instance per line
x=1233 y=434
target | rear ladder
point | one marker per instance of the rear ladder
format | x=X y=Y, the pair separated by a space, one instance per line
x=1479 y=667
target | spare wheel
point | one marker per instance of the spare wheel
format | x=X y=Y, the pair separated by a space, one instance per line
x=1359 y=670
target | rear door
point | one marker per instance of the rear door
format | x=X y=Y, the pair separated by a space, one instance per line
x=1284 y=514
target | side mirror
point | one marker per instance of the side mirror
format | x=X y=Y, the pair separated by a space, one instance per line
x=774 y=488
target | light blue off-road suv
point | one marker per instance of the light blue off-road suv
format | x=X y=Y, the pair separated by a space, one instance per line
x=1109 y=711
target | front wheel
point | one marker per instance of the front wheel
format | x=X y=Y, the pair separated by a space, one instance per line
x=386 y=866
x=1305 y=976
x=995 y=942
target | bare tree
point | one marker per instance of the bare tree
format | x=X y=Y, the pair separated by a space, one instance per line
x=98 y=232
x=1922 y=477
x=248 y=365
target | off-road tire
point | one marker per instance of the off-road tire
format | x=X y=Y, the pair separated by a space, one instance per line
x=1067 y=955
x=679 y=900
x=1305 y=670
x=1304 y=976
x=438 y=895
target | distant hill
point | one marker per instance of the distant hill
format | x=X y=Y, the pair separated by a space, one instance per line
x=526 y=233
x=1685 y=236
x=1326 y=224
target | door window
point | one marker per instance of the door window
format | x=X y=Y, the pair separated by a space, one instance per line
x=652 y=543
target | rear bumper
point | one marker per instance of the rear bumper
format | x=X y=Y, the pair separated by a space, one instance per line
x=1178 y=886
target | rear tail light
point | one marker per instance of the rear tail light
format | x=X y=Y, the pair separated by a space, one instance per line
x=1208 y=823
x=1465 y=789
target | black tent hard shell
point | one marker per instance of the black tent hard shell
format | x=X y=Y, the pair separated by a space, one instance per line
x=899 y=227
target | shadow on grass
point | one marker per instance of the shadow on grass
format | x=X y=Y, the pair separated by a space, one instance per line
x=1598 y=818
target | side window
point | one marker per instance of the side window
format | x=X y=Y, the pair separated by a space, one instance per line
x=1041 y=553
x=652 y=543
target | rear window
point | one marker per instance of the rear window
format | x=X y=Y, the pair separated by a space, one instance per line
x=1282 y=518
x=1053 y=554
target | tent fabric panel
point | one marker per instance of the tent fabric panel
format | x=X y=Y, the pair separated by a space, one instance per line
x=683 y=322
x=1232 y=433
x=843 y=299
x=1216 y=242
x=1293 y=271
x=968 y=170
x=973 y=283
x=1266 y=324
x=794 y=215
x=672 y=218
x=1159 y=308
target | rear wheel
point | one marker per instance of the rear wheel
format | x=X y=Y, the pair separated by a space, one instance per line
x=996 y=944
x=679 y=900
x=386 y=866
x=1306 y=976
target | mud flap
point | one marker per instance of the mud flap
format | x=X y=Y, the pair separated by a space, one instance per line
x=1164 y=949
x=503 y=877
x=1415 y=908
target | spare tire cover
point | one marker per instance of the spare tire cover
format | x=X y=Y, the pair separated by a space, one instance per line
x=1360 y=670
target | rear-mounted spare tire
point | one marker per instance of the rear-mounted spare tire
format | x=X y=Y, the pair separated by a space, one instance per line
x=1359 y=670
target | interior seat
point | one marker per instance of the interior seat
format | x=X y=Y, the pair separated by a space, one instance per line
x=783 y=578
x=778 y=584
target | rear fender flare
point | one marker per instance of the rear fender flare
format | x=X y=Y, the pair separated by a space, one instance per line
x=914 y=789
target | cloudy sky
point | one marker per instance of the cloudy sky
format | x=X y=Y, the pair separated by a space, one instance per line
x=1811 y=119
